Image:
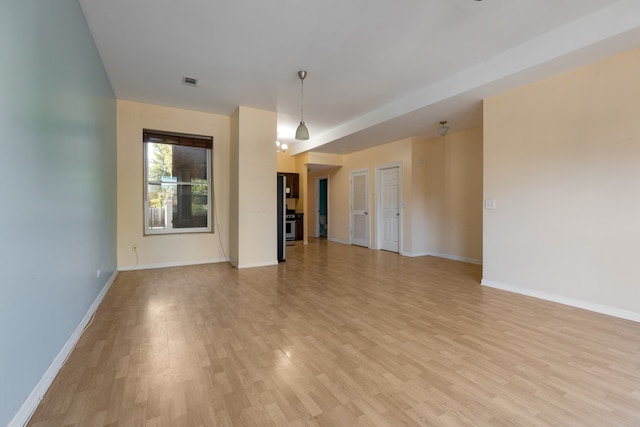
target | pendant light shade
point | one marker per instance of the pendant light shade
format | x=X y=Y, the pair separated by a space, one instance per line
x=302 y=133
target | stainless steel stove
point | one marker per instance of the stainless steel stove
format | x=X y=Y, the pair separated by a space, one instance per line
x=290 y=227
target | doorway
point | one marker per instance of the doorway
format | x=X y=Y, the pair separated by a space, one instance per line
x=322 y=202
x=359 y=207
x=388 y=218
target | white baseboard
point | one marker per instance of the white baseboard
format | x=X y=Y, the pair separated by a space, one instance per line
x=457 y=258
x=598 y=308
x=447 y=256
x=257 y=264
x=29 y=406
x=343 y=242
x=171 y=264
x=415 y=254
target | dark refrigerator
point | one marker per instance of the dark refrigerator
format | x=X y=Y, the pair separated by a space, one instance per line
x=282 y=210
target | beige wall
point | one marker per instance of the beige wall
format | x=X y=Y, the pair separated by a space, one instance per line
x=177 y=249
x=330 y=164
x=338 y=193
x=234 y=185
x=285 y=162
x=562 y=162
x=312 y=209
x=395 y=152
x=311 y=218
x=301 y=205
x=255 y=162
x=447 y=196
x=429 y=194
x=441 y=188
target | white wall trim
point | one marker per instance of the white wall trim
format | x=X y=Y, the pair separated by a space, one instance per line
x=586 y=305
x=343 y=242
x=257 y=264
x=414 y=254
x=447 y=256
x=29 y=406
x=172 y=264
x=457 y=258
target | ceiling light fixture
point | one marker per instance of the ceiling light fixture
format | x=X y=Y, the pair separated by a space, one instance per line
x=302 y=132
x=281 y=148
x=443 y=129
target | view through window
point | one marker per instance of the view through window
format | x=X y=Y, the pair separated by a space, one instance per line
x=177 y=182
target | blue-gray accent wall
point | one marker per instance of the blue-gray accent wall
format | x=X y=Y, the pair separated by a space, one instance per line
x=57 y=186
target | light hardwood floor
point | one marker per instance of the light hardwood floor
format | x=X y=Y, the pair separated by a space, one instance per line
x=342 y=336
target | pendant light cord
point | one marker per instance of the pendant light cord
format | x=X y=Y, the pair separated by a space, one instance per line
x=302 y=133
x=302 y=99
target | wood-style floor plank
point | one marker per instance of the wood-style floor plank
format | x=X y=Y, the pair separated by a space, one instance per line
x=342 y=336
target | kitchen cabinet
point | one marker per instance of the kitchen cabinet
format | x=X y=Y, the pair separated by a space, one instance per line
x=293 y=184
x=299 y=226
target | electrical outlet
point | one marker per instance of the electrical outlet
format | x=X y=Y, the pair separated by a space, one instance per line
x=134 y=248
x=98 y=273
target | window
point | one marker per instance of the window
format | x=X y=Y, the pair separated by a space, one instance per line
x=177 y=175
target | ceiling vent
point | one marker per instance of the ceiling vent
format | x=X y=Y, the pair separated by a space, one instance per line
x=190 y=81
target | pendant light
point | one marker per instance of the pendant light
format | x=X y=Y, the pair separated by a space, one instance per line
x=302 y=132
x=443 y=129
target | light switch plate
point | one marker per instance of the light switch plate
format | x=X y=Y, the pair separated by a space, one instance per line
x=489 y=204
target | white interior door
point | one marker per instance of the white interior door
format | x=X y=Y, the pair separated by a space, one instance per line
x=360 y=208
x=390 y=208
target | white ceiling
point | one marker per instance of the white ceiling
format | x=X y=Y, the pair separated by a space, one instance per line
x=378 y=70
